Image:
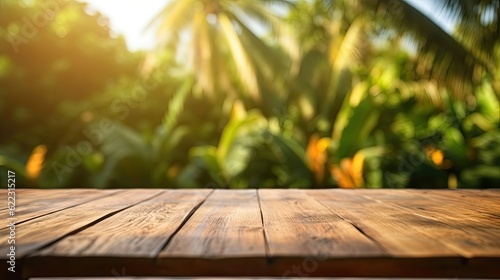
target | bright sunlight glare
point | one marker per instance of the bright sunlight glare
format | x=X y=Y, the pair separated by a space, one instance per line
x=131 y=18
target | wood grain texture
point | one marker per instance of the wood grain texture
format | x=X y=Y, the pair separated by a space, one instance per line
x=478 y=200
x=456 y=223
x=227 y=225
x=291 y=233
x=30 y=205
x=400 y=233
x=139 y=231
x=297 y=225
x=40 y=232
x=26 y=195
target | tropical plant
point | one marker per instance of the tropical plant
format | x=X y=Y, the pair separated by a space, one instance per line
x=255 y=152
x=374 y=94
x=225 y=48
x=386 y=134
x=452 y=58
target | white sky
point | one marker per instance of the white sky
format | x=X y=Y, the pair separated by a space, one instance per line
x=130 y=18
x=422 y=5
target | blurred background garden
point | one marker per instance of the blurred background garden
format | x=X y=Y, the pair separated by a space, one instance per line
x=252 y=94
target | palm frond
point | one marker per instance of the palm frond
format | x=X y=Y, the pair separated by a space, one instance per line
x=221 y=40
x=176 y=105
x=477 y=23
x=244 y=66
x=451 y=60
x=203 y=51
x=343 y=53
x=278 y=28
x=266 y=58
x=173 y=18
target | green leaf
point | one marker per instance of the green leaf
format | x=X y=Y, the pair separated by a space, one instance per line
x=126 y=154
x=455 y=147
x=209 y=156
x=13 y=164
x=293 y=156
x=235 y=129
x=353 y=126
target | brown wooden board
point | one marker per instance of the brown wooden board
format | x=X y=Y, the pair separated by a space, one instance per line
x=400 y=233
x=297 y=225
x=291 y=233
x=456 y=224
x=25 y=195
x=471 y=207
x=35 y=234
x=139 y=231
x=31 y=205
x=130 y=238
x=227 y=225
x=478 y=200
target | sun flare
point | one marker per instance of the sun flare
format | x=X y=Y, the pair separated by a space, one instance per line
x=131 y=19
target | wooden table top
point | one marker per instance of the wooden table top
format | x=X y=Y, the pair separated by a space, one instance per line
x=267 y=232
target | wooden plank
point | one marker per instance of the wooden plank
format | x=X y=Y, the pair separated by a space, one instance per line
x=297 y=225
x=480 y=201
x=294 y=217
x=453 y=228
x=467 y=207
x=32 y=192
x=224 y=236
x=34 y=196
x=33 y=205
x=341 y=195
x=471 y=208
x=493 y=193
x=139 y=231
x=25 y=194
x=401 y=234
x=47 y=229
x=227 y=225
x=444 y=263
x=21 y=193
x=470 y=233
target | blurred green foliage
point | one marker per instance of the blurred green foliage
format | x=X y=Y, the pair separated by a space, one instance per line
x=332 y=95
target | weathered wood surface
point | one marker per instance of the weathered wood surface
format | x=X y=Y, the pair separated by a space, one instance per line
x=252 y=233
x=228 y=225
x=36 y=203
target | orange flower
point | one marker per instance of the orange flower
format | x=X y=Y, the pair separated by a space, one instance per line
x=341 y=176
x=436 y=155
x=317 y=154
x=35 y=162
x=349 y=174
